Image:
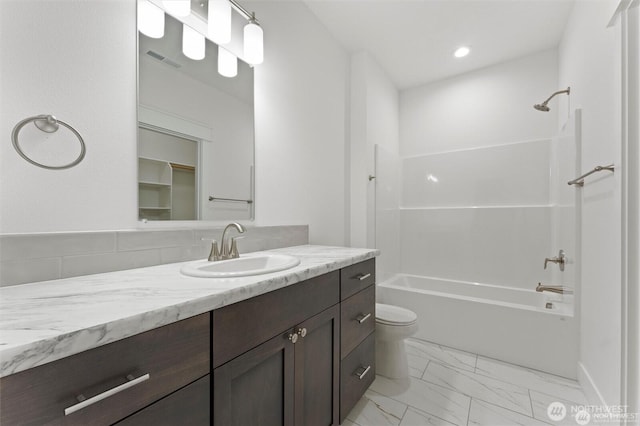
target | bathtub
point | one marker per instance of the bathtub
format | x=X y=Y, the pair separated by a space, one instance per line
x=523 y=327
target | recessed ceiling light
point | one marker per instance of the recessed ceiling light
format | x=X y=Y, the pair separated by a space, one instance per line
x=461 y=52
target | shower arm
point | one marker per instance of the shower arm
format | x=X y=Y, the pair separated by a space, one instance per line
x=567 y=91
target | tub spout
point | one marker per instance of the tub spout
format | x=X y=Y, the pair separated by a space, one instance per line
x=554 y=289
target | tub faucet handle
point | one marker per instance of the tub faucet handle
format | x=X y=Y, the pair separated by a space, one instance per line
x=560 y=260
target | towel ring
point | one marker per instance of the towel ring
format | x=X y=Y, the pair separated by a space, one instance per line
x=49 y=124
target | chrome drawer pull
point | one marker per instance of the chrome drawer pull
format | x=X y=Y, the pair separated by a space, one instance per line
x=106 y=394
x=363 y=277
x=363 y=318
x=363 y=373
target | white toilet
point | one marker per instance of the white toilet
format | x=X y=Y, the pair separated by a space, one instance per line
x=393 y=325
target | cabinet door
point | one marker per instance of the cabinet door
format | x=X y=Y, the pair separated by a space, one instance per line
x=317 y=360
x=188 y=406
x=257 y=387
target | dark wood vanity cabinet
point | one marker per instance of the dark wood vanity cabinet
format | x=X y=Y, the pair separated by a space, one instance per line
x=317 y=357
x=293 y=377
x=130 y=374
x=358 y=318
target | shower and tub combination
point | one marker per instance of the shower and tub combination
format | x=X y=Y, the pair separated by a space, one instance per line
x=471 y=234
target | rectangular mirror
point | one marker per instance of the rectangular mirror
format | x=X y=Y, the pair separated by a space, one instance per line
x=195 y=133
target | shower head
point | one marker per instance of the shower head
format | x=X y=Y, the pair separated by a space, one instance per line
x=543 y=106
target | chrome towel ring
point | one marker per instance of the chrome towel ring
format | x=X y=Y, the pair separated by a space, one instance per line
x=48 y=124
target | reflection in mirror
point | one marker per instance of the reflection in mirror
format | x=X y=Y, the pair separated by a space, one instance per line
x=196 y=134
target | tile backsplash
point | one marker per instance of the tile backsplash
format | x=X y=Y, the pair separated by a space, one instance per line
x=26 y=258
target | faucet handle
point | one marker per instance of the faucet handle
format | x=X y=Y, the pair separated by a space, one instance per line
x=233 y=252
x=214 y=254
x=560 y=260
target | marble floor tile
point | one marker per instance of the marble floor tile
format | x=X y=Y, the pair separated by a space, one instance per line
x=415 y=417
x=348 y=422
x=485 y=388
x=541 y=401
x=377 y=410
x=531 y=379
x=417 y=363
x=436 y=400
x=442 y=354
x=485 y=414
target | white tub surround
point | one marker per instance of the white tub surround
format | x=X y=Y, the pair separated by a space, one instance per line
x=509 y=324
x=46 y=321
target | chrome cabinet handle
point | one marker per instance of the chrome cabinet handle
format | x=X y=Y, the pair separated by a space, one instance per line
x=363 y=318
x=106 y=394
x=363 y=277
x=293 y=337
x=361 y=372
x=302 y=332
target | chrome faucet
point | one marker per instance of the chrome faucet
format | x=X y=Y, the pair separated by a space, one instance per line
x=554 y=289
x=560 y=260
x=230 y=249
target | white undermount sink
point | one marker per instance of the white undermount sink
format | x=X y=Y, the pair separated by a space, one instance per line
x=243 y=266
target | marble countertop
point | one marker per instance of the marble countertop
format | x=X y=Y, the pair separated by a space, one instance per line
x=45 y=321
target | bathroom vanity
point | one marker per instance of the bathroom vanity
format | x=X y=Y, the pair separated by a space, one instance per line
x=289 y=348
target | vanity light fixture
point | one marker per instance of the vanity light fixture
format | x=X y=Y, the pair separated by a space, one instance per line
x=219 y=21
x=461 y=52
x=177 y=7
x=193 y=43
x=218 y=30
x=253 y=42
x=150 y=19
x=227 y=63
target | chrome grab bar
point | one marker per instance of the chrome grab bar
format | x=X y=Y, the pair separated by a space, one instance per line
x=579 y=181
x=554 y=289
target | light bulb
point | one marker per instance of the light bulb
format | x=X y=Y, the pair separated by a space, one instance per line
x=219 y=21
x=193 y=43
x=227 y=63
x=150 y=19
x=177 y=7
x=253 y=43
x=461 y=52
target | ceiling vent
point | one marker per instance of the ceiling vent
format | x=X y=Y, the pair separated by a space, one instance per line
x=163 y=59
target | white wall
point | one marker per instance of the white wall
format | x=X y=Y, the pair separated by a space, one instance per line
x=374 y=121
x=301 y=101
x=374 y=204
x=490 y=106
x=590 y=64
x=77 y=60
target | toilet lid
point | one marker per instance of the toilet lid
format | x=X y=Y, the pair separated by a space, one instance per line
x=394 y=315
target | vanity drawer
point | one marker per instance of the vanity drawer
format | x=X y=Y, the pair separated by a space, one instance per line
x=357 y=373
x=160 y=361
x=244 y=325
x=357 y=319
x=357 y=277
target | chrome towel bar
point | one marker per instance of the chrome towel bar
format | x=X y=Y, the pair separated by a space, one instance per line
x=233 y=200
x=579 y=181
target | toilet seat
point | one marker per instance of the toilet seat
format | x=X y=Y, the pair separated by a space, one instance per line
x=394 y=315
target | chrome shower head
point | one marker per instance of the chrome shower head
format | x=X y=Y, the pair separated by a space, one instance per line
x=543 y=106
